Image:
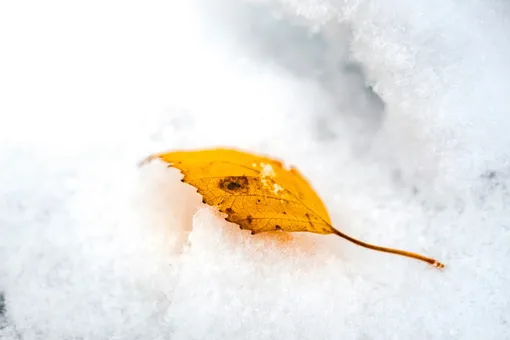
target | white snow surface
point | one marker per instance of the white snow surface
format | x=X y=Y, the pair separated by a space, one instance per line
x=396 y=111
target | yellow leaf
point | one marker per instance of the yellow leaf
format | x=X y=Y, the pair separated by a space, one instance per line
x=259 y=194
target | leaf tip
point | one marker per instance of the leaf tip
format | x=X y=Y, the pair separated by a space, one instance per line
x=147 y=160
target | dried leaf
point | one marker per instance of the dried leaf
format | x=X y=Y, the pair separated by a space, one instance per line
x=259 y=194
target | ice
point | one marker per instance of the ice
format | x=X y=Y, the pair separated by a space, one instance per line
x=396 y=112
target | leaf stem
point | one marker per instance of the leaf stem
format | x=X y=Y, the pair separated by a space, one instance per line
x=429 y=260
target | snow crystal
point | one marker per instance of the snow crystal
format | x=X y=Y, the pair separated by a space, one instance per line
x=395 y=112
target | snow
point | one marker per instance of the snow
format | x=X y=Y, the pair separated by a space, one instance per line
x=396 y=112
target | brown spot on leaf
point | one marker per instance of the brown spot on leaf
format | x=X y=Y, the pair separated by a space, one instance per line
x=233 y=186
x=250 y=219
x=234 y=183
x=229 y=211
x=278 y=227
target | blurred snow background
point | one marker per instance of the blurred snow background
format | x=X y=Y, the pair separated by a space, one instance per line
x=396 y=111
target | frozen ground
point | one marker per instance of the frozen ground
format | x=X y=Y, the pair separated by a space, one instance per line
x=396 y=111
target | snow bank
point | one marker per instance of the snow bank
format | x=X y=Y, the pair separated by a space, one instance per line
x=395 y=112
